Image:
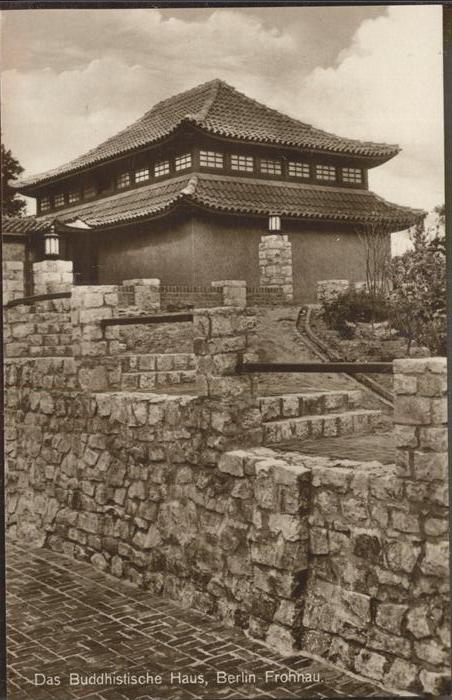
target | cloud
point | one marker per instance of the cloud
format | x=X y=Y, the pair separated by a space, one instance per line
x=386 y=85
x=51 y=115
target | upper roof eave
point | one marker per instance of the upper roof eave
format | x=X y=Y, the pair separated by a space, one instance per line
x=206 y=107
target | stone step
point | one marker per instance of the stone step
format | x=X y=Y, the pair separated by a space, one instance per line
x=317 y=426
x=275 y=408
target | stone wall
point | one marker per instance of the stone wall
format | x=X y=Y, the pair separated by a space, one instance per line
x=377 y=600
x=275 y=263
x=13 y=280
x=347 y=560
x=153 y=371
x=43 y=329
x=50 y=276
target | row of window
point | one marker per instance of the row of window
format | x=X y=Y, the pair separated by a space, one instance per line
x=214 y=160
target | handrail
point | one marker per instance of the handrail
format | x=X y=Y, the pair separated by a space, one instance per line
x=322 y=367
x=143 y=320
x=26 y=301
x=370 y=383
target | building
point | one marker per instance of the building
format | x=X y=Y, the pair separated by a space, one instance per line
x=186 y=193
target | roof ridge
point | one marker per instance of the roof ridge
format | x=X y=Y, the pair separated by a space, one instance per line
x=202 y=114
x=177 y=96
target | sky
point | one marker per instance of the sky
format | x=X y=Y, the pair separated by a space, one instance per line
x=72 y=78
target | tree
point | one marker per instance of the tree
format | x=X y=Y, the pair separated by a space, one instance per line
x=11 y=169
x=375 y=239
x=419 y=289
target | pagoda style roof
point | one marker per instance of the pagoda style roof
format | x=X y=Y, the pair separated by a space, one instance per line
x=247 y=196
x=219 y=109
x=23 y=225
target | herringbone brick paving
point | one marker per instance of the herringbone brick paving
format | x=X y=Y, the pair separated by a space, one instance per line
x=67 y=617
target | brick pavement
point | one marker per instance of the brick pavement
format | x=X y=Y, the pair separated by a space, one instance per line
x=67 y=617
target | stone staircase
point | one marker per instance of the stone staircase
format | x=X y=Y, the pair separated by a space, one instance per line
x=311 y=415
x=151 y=371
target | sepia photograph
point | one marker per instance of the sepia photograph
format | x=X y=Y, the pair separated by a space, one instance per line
x=225 y=352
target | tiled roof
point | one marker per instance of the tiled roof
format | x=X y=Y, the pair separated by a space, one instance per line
x=219 y=109
x=243 y=196
x=21 y=226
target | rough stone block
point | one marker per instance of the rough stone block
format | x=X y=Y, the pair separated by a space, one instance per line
x=412 y=410
x=436 y=559
x=233 y=463
x=405 y=384
x=434 y=439
x=389 y=617
x=401 y=674
x=430 y=466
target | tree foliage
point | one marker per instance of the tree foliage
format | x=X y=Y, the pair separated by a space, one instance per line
x=419 y=289
x=12 y=205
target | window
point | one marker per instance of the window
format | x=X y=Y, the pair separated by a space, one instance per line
x=325 y=172
x=271 y=167
x=89 y=191
x=59 y=200
x=183 y=162
x=142 y=175
x=352 y=175
x=210 y=159
x=44 y=204
x=74 y=197
x=161 y=168
x=243 y=163
x=123 y=180
x=299 y=169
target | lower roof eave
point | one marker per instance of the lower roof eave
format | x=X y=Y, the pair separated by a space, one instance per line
x=390 y=225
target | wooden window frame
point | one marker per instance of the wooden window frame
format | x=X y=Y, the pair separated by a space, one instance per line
x=238 y=168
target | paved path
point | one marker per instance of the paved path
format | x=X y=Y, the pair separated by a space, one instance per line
x=66 y=617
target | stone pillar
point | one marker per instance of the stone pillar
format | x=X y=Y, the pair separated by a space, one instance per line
x=275 y=263
x=234 y=292
x=143 y=293
x=13 y=280
x=420 y=417
x=51 y=276
x=221 y=340
x=94 y=345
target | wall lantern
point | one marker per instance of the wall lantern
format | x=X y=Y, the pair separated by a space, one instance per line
x=52 y=243
x=274 y=222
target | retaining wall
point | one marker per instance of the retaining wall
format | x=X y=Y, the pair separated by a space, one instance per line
x=346 y=560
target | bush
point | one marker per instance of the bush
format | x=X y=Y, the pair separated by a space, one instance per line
x=355 y=306
x=419 y=292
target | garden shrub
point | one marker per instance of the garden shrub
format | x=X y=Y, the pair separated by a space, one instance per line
x=355 y=306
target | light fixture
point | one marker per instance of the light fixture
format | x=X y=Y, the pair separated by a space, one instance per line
x=51 y=243
x=274 y=222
